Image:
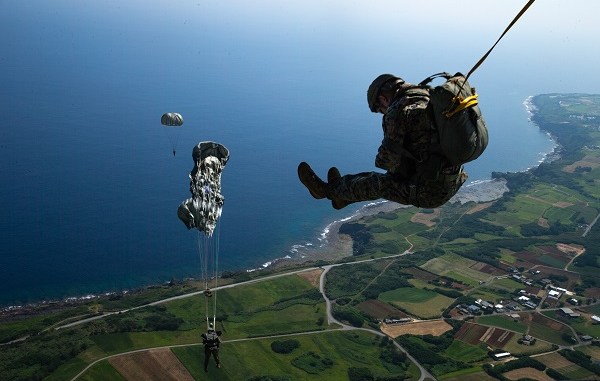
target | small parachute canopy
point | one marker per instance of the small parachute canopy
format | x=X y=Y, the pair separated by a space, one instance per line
x=171 y=119
x=203 y=209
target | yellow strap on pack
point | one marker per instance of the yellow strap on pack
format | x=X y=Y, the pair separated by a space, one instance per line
x=461 y=105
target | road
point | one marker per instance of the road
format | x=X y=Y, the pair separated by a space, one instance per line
x=330 y=318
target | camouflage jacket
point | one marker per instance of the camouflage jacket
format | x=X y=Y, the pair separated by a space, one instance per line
x=407 y=129
x=211 y=339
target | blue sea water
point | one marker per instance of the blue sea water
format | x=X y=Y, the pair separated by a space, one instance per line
x=90 y=187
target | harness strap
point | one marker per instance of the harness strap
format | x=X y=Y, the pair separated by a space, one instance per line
x=461 y=104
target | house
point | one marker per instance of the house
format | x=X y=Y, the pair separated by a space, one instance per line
x=573 y=301
x=500 y=356
x=554 y=294
x=586 y=338
x=499 y=308
x=527 y=340
x=530 y=305
x=484 y=305
x=397 y=321
x=568 y=312
x=595 y=319
x=473 y=309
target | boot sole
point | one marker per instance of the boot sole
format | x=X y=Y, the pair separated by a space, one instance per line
x=306 y=176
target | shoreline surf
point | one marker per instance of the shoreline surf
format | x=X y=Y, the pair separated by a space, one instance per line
x=328 y=243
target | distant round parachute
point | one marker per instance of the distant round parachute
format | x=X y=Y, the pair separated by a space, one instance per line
x=171 y=119
x=172 y=122
x=203 y=209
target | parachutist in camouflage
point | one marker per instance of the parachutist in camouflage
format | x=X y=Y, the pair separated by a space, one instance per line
x=211 y=342
x=415 y=175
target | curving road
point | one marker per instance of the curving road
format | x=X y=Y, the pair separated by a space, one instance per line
x=331 y=320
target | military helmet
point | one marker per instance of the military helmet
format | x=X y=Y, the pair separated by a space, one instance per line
x=375 y=89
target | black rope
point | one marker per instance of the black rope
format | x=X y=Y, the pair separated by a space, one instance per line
x=517 y=17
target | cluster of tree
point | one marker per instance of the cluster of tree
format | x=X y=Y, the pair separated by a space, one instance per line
x=428 y=351
x=532 y=229
x=349 y=280
x=361 y=236
x=486 y=252
x=148 y=319
x=393 y=356
x=40 y=355
x=592 y=250
x=349 y=315
x=580 y=359
x=312 y=363
x=387 y=247
x=386 y=282
x=271 y=378
x=449 y=293
x=377 y=228
x=284 y=346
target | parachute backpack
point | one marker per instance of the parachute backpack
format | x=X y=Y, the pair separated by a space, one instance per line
x=462 y=134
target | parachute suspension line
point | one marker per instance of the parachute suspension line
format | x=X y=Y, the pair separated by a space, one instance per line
x=216 y=269
x=202 y=254
x=517 y=17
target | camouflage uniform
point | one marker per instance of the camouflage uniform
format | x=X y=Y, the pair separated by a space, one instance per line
x=414 y=176
x=211 y=343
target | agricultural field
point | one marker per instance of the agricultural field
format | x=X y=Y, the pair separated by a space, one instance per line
x=582 y=325
x=591 y=350
x=549 y=330
x=417 y=302
x=515 y=348
x=331 y=355
x=464 y=352
x=457 y=268
x=475 y=334
x=419 y=328
x=564 y=366
x=507 y=284
x=503 y=321
x=470 y=374
x=380 y=310
x=527 y=374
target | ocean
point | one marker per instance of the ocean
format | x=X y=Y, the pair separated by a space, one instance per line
x=90 y=187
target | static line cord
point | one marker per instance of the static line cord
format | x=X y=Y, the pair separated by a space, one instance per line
x=517 y=17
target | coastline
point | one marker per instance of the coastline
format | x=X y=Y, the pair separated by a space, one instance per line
x=329 y=244
x=332 y=245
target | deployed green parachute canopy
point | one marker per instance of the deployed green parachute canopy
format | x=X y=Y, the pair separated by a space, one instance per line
x=172 y=121
x=203 y=209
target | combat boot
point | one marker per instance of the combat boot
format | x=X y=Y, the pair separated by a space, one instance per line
x=317 y=187
x=333 y=176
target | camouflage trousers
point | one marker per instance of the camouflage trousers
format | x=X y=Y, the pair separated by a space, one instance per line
x=211 y=351
x=426 y=193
